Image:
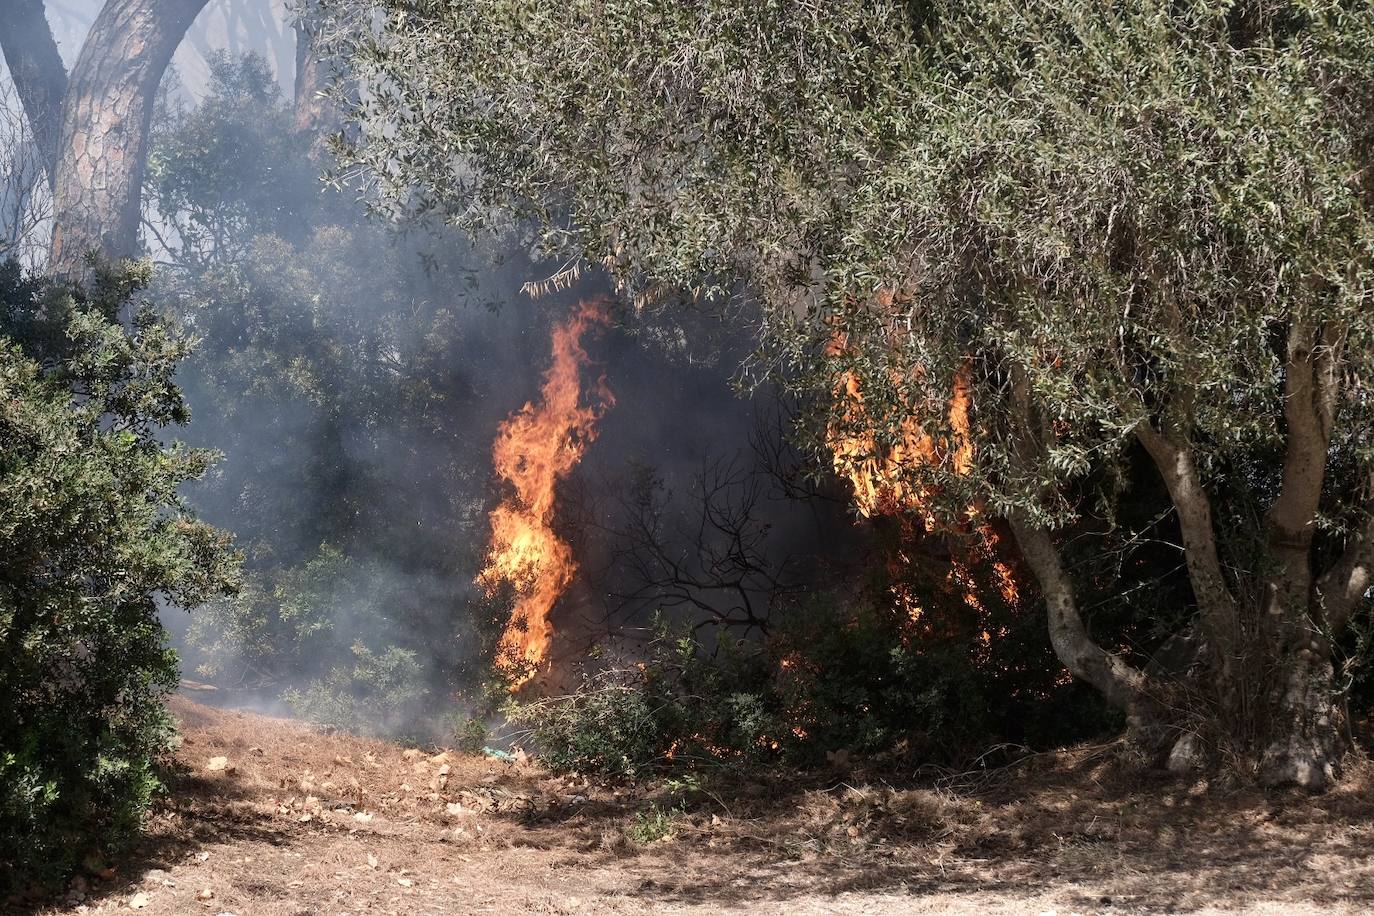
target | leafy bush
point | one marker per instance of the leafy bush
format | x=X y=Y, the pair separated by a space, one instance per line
x=829 y=677
x=653 y=824
x=380 y=693
x=94 y=537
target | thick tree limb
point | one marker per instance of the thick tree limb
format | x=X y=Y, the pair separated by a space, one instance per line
x=1310 y=394
x=1345 y=584
x=1177 y=466
x=311 y=111
x=1122 y=684
x=106 y=116
x=36 y=68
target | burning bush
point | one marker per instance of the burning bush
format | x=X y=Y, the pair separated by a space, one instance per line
x=93 y=537
x=859 y=677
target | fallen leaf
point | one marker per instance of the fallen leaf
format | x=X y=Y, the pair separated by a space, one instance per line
x=138 y=901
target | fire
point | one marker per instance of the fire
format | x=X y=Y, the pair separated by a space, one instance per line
x=876 y=474
x=535 y=448
x=880 y=487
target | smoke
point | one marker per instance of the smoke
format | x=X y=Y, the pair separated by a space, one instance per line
x=354 y=377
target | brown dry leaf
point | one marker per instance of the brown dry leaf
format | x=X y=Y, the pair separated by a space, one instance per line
x=411 y=753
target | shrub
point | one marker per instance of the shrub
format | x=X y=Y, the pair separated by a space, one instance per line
x=94 y=538
x=830 y=676
x=380 y=693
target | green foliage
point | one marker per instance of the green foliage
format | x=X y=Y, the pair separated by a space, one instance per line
x=469 y=733
x=94 y=538
x=830 y=677
x=1115 y=226
x=1119 y=205
x=380 y=693
x=337 y=374
x=230 y=169
x=653 y=825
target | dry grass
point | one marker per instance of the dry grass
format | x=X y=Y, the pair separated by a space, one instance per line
x=298 y=822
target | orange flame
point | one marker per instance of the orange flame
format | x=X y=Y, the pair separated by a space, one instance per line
x=535 y=448
x=876 y=473
x=880 y=488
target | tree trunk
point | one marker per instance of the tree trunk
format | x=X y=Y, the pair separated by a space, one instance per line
x=312 y=113
x=106 y=116
x=39 y=77
x=1122 y=685
x=1307 y=737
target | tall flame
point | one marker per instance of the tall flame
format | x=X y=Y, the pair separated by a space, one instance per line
x=535 y=448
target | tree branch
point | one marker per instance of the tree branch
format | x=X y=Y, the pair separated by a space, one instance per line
x=1310 y=395
x=1120 y=683
x=1178 y=468
x=39 y=76
x=1343 y=585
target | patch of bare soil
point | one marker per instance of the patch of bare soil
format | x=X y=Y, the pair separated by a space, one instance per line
x=271 y=817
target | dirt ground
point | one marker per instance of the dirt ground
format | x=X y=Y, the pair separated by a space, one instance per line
x=271 y=817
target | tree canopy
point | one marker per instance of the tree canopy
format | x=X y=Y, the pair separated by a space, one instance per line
x=1131 y=227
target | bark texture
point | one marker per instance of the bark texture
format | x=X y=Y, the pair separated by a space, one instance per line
x=39 y=77
x=1122 y=684
x=106 y=116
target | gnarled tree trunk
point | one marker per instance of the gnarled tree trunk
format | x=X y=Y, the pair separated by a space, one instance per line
x=1268 y=662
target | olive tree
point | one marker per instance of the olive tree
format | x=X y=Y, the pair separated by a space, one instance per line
x=1124 y=229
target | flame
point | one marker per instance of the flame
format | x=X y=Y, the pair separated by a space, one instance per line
x=535 y=448
x=875 y=472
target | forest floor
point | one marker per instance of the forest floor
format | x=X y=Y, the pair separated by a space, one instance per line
x=270 y=817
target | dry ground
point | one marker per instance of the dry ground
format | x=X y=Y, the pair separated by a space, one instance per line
x=291 y=821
